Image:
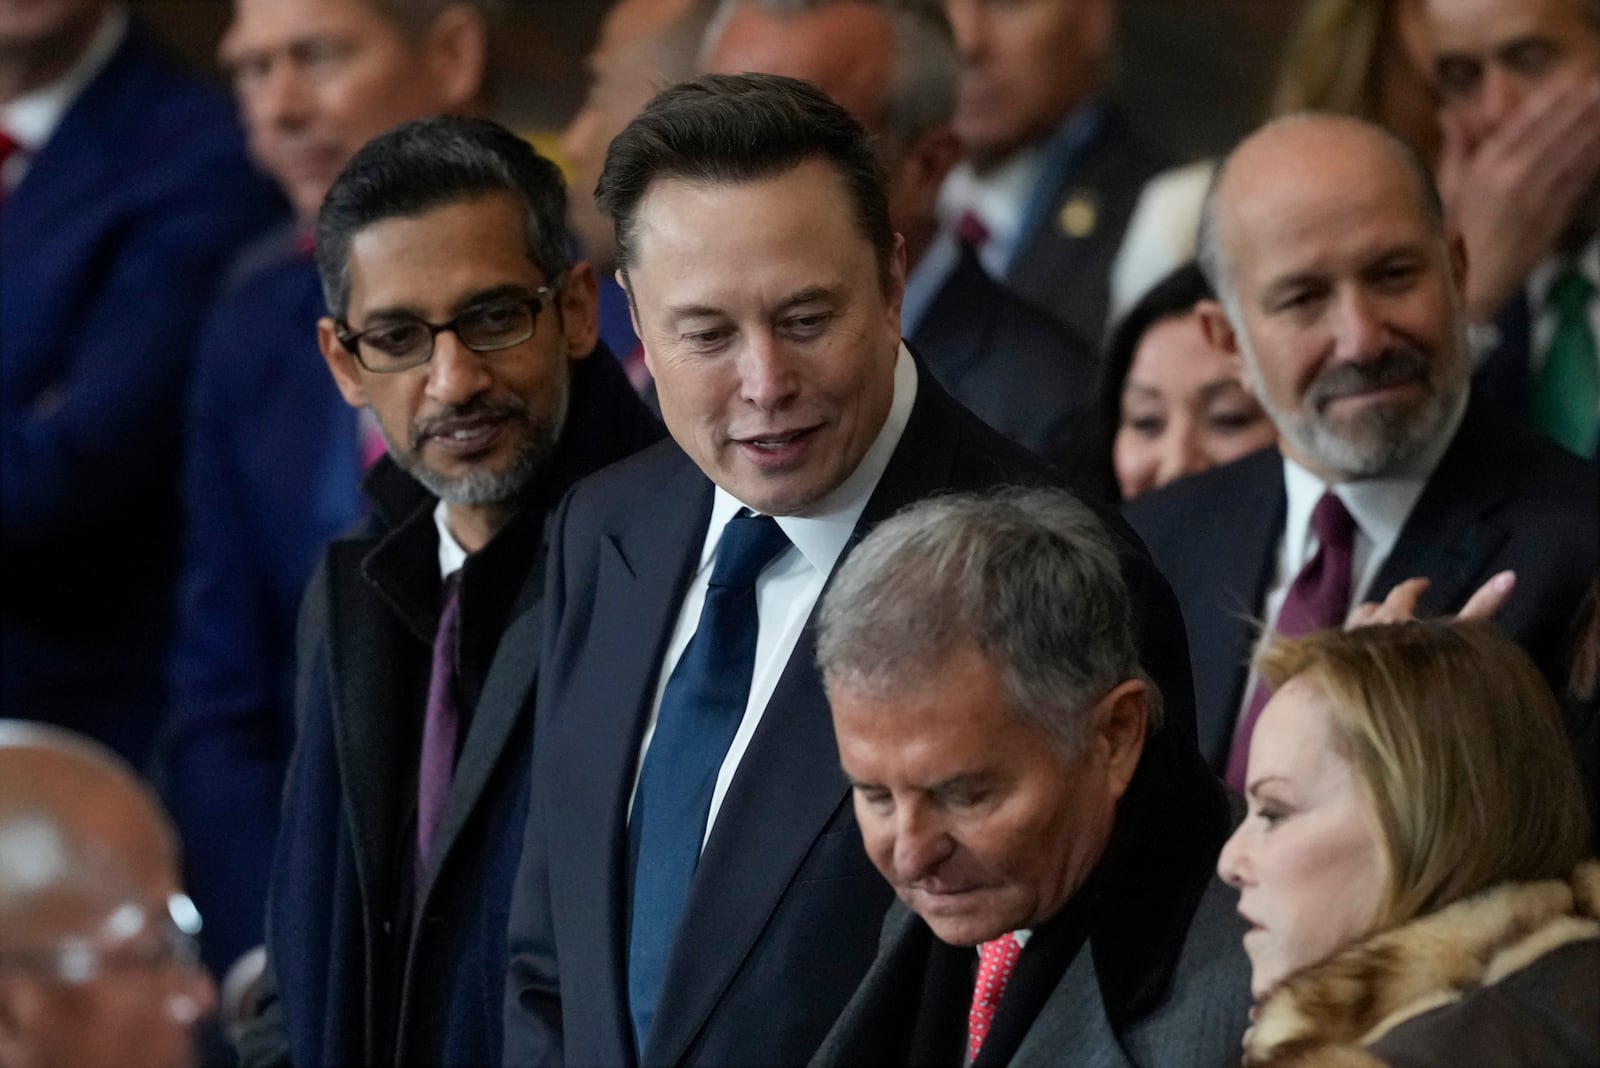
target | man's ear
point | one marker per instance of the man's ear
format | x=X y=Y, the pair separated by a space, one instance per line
x=920 y=173
x=580 y=311
x=1118 y=726
x=456 y=51
x=341 y=364
x=1220 y=335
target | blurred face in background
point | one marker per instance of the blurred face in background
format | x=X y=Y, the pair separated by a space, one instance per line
x=1307 y=860
x=637 y=57
x=1025 y=64
x=1183 y=409
x=317 y=79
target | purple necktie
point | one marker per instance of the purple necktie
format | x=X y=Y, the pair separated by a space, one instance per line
x=441 y=723
x=1319 y=598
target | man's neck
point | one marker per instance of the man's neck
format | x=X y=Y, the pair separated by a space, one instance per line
x=34 y=65
x=475 y=525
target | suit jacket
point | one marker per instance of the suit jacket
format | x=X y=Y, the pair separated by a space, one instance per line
x=1500 y=498
x=1075 y=221
x=264 y=420
x=1149 y=970
x=785 y=907
x=1016 y=368
x=364 y=970
x=109 y=250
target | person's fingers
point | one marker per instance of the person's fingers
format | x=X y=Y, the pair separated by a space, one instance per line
x=1488 y=598
x=1399 y=606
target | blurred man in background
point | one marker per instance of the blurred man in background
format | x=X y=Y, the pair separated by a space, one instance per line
x=98 y=964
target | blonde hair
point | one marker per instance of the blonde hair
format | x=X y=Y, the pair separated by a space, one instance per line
x=1331 y=62
x=1454 y=738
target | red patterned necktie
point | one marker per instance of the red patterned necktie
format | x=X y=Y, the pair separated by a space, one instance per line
x=1319 y=598
x=441 y=723
x=996 y=961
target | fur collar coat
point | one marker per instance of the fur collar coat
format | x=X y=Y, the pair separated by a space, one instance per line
x=1510 y=976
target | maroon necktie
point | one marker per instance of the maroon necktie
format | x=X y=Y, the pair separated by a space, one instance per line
x=996 y=961
x=971 y=231
x=8 y=145
x=441 y=723
x=1319 y=598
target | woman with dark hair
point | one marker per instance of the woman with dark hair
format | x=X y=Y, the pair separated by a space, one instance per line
x=1413 y=863
x=1170 y=402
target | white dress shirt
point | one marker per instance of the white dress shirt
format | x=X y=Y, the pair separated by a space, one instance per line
x=788 y=588
x=998 y=197
x=452 y=557
x=1380 y=508
x=31 y=118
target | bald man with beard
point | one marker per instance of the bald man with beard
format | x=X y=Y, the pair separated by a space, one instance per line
x=97 y=951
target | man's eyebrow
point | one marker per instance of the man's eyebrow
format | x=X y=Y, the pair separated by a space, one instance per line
x=482 y=296
x=807 y=295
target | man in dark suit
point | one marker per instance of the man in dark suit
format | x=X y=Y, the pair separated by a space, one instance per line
x=460 y=320
x=1519 y=87
x=124 y=191
x=893 y=65
x=1052 y=170
x=273 y=457
x=693 y=887
x=1013 y=782
x=1339 y=287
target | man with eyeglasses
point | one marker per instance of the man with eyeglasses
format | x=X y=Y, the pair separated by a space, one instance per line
x=460 y=320
x=97 y=951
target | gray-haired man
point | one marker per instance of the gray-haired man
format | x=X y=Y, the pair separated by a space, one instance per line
x=1012 y=780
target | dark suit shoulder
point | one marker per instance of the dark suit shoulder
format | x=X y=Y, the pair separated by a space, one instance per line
x=1167 y=516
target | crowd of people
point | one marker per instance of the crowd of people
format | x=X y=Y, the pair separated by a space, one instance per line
x=878 y=565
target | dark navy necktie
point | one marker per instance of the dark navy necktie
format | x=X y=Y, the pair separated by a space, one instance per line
x=701 y=709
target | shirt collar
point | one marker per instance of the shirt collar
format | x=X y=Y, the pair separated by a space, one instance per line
x=1379 y=506
x=452 y=557
x=32 y=117
x=822 y=534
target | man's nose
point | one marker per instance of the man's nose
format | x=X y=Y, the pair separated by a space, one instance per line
x=921 y=844
x=1359 y=332
x=767 y=374
x=456 y=374
x=279 y=97
x=1499 y=96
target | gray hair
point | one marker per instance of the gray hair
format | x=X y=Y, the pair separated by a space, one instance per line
x=1208 y=246
x=927 y=67
x=1029 y=577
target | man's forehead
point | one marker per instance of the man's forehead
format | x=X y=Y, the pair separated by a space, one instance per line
x=1487 y=24
x=260 y=25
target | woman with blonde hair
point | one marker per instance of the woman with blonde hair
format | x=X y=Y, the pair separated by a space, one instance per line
x=1412 y=865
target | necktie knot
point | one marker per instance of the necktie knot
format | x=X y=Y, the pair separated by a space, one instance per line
x=749 y=543
x=971 y=231
x=1331 y=521
x=8 y=145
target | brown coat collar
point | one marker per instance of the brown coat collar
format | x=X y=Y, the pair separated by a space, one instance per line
x=1325 y=1015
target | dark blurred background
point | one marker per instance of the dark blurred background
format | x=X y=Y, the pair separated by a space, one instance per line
x=1194 y=73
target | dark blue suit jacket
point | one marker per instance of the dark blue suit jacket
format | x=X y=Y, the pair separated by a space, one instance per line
x=360 y=973
x=783 y=915
x=1501 y=497
x=272 y=474
x=110 y=249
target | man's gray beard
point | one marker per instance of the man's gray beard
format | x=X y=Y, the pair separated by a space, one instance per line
x=1378 y=441
x=479 y=488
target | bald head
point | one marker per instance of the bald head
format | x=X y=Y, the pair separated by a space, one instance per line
x=77 y=828
x=1274 y=160
x=1326 y=242
x=90 y=972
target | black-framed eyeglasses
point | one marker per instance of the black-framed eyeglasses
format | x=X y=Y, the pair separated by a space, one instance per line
x=402 y=343
x=138 y=938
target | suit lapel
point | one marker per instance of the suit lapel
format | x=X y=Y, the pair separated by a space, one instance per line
x=641 y=572
x=1245 y=524
x=1449 y=536
x=1072 y=1027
